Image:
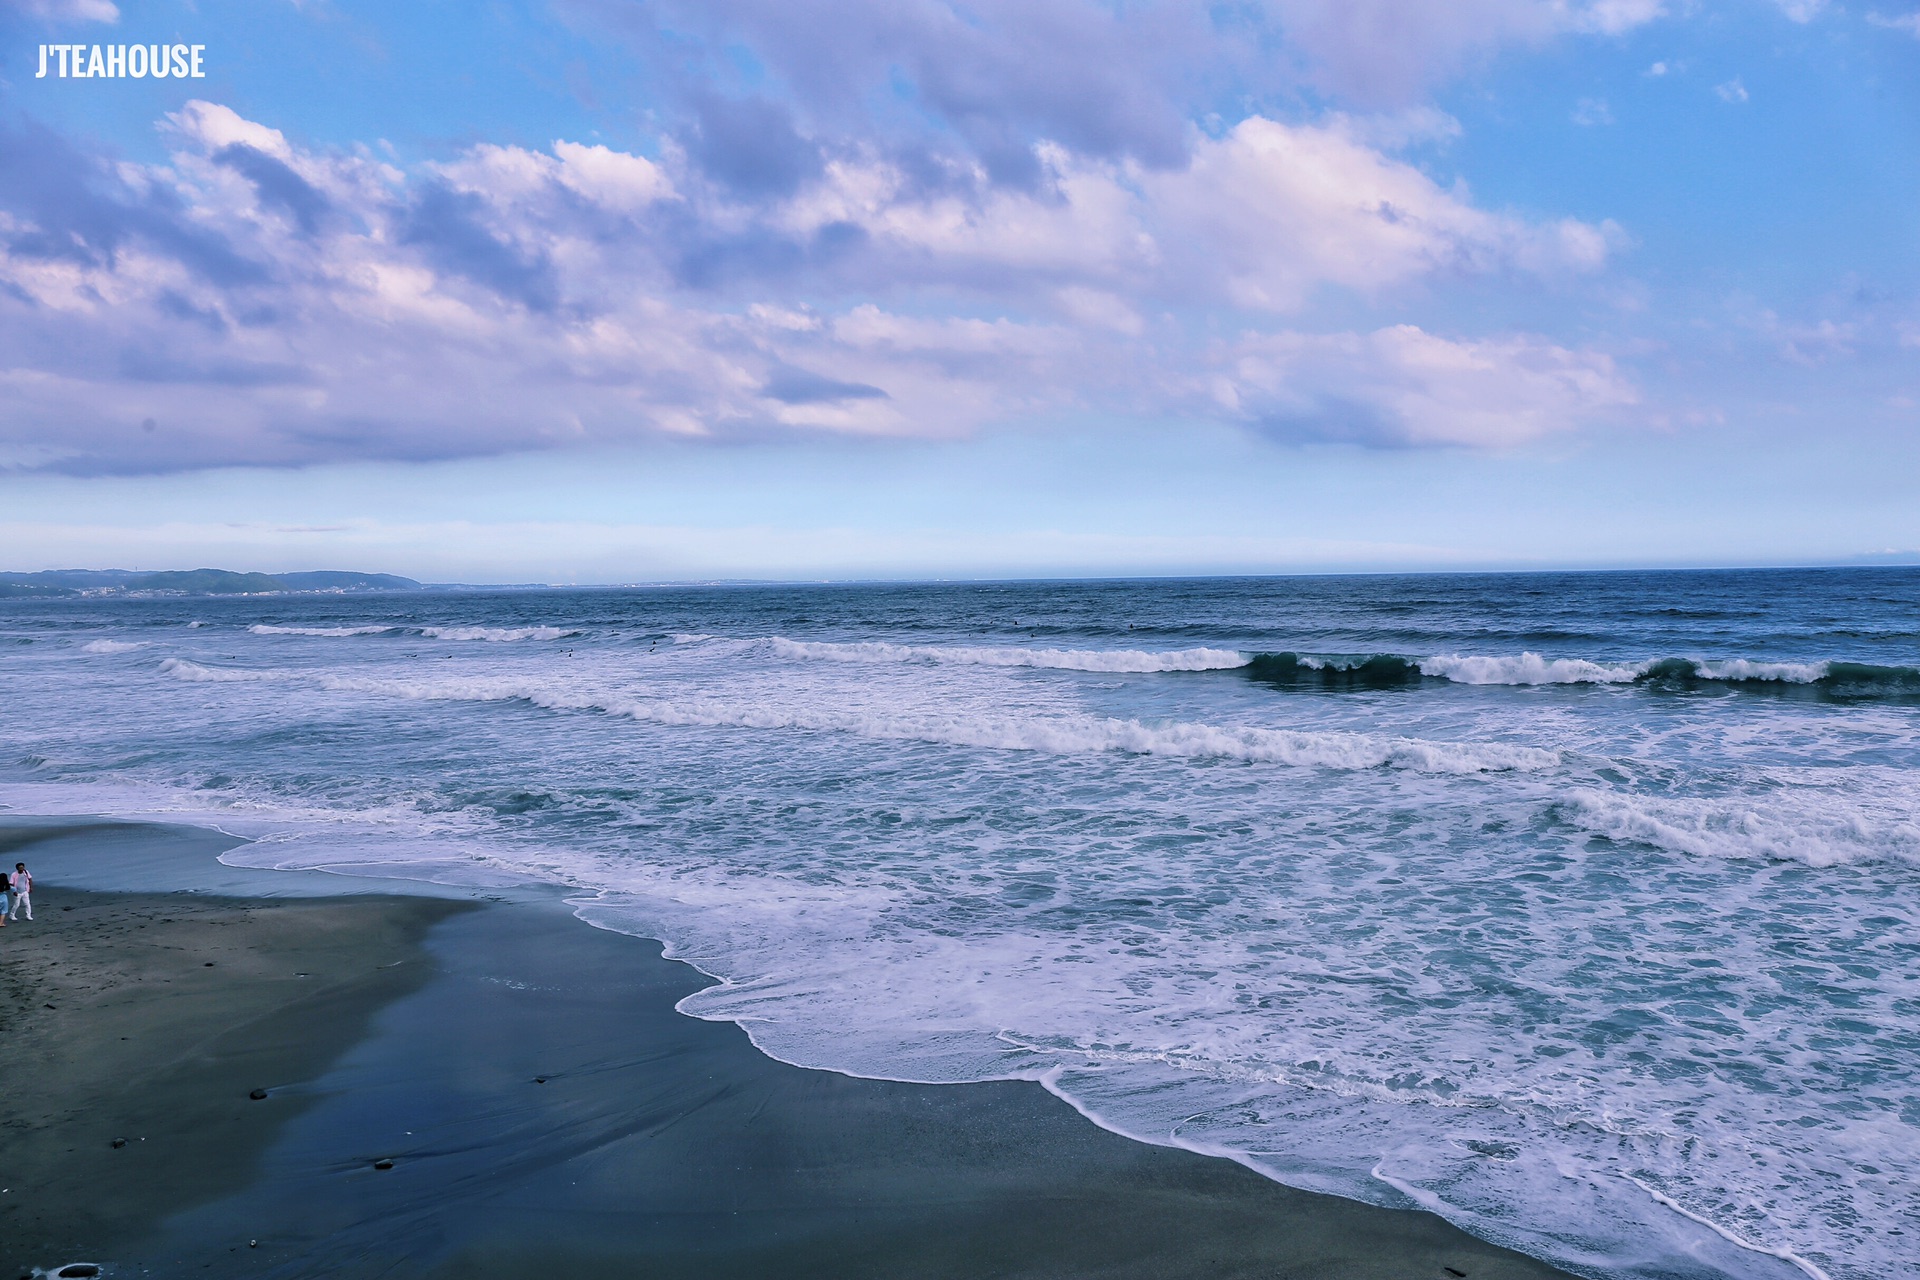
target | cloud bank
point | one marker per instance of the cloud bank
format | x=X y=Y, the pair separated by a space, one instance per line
x=1065 y=238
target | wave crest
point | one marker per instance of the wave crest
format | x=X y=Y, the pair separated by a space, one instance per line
x=1733 y=829
x=265 y=629
x=182 y=669
x=1106 y=660
x=1060 y=735
x=1386 y=670
x=1527 y=668
x=1063 y=735
x=497 y=635
x=112 y=646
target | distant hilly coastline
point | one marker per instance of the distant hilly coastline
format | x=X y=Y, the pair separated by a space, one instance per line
x=194 y=582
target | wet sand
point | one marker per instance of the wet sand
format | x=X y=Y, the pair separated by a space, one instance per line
x=547 y=1112
x=147 y=1020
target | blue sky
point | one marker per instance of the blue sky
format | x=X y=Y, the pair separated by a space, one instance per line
x=609 y=290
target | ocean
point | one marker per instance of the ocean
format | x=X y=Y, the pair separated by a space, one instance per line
x=1581 y=909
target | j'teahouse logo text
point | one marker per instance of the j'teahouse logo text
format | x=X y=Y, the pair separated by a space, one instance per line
x=122 y=61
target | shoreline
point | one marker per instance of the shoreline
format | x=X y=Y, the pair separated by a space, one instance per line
x=547 y=1109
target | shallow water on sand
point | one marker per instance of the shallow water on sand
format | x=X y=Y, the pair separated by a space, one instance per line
x=1578 y=908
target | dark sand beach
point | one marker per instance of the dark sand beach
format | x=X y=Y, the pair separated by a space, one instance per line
x=148 y=1020
x=547 y=1112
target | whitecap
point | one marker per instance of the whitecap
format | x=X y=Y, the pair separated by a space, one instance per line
x=1743 y=827
x=1528 y=668
x=264 y=629
x=1109 y=660
x=182 y=669
x=112 y=646
x=498 y=635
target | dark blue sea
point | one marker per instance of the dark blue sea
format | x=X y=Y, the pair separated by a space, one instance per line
x=1582 y=909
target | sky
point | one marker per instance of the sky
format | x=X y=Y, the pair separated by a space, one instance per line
x=643 y=290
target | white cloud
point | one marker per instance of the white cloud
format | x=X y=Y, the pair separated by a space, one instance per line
x=1390 y=50
x=1262 y=217
x=1397 y=130
x=988 y=78
x=1272 y=211
x=1809 y=343
x=1613 y=17
x=1731 y=91
x=611 y=178
x=1801 y=10
x=266 y=303
x=209 y=126
x=65 y=10
x=614 y=181
x=1592 y=111
x=1907 y=22
x=1086 y=226
x=1401 y=385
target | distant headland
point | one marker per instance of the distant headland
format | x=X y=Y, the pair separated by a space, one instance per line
x=195 y=582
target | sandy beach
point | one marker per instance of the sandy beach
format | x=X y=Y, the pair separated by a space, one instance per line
x=134 y=1029
x=547 y=1112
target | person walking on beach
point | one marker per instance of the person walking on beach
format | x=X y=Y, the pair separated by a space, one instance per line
x=21 y=882
x=6 y=894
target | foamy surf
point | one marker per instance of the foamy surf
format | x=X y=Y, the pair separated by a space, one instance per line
x=1528 y=668
x=186 y=669
x=1074 y=735
x=497 y=635
x=1533 y=669
x=1107 y=660
x=1372 y=945
x=1746 y=828
x=265 y=629
x=1378 y=670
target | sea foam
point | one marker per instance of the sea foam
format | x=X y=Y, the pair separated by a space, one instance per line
x=264 y=629
x=1059 y=735
x=1745 y=828
x=498 y=635
x=1528 y=668
x=1597 y=967
x=1107 y=660
x=184 y=669
x=111 y=646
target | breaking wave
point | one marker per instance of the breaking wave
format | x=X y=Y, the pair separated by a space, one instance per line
x=1596 y=950
x=1381 y=671
x=1527 y=668
x=263 y=629
x=1110 y=660
x=499 y=635
x=111 y=646
x=1295 y=670
x=1058 y=735
x=1734 y=829
x=182 y=669
x=496 y=634
x=1387 y=670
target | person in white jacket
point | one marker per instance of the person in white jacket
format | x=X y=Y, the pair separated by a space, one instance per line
x=21 y=883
